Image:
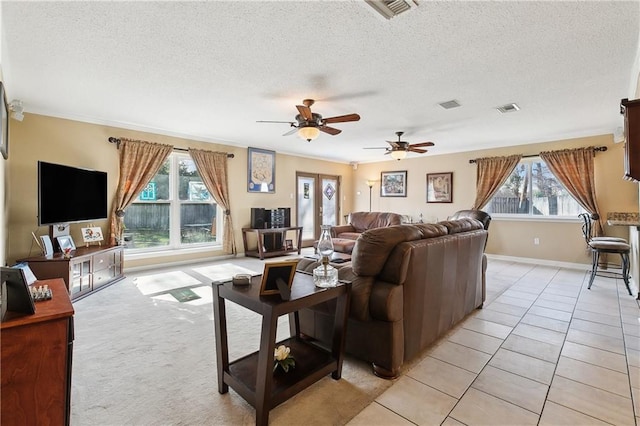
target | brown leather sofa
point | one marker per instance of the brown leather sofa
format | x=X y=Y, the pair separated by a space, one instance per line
x=362 y=221
x=410 y=284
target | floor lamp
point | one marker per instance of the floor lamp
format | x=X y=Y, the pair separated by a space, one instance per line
x=370 y=185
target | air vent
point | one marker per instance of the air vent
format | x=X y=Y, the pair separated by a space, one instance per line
x=508 y=108
x=391 y=8
x=450 y=104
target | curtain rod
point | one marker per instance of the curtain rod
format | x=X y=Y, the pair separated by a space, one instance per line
x=597 y=148
x=117 y=142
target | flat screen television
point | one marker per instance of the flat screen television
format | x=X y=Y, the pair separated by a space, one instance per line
x=70 y=194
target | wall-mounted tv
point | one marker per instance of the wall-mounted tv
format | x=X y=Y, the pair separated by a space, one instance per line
x=70 y=194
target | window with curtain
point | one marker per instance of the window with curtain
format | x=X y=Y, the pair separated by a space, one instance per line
x=533 y=191
x=174 y=210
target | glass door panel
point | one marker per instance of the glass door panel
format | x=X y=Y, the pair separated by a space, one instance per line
x=318 y=203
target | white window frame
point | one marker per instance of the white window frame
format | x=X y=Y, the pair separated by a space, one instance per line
x=174 y=218
x=530 y=216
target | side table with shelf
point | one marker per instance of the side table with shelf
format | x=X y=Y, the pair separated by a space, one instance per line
x=252 y=376
x=86 y=270
x=271 y=241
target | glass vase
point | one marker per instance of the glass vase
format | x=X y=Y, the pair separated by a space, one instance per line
x=325 y=244
x=325 y=275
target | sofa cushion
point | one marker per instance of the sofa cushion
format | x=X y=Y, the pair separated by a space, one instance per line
x=463 y=224
x=363 y=221
x=374 y=246
x=349 y=235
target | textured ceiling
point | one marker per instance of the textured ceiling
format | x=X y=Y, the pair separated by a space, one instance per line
x=210 y=70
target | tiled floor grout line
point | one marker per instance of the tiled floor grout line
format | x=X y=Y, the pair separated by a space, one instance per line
x=539 y=295
x=503 y=340
x=563 y=293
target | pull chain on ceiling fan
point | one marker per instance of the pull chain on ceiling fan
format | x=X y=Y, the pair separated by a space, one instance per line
x=309 y=124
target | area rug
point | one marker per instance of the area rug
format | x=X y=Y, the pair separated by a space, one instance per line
x=223 y=272
x=147 y=359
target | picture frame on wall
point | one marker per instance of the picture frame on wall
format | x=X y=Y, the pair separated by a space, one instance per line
x=4 y=124
x=440 y=187
x=261 y=170
x=393 y=184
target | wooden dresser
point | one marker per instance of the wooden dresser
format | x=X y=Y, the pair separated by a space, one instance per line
x=36 y=353
x=86 y=270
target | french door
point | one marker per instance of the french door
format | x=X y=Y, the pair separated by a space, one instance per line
x=318 y=203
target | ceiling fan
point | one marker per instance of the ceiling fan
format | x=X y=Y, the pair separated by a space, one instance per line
x=309 y=124
x=400 y=148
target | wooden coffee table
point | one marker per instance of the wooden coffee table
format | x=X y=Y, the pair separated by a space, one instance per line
x=252 y=376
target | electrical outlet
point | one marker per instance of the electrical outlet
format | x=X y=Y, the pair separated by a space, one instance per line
x=536 y=241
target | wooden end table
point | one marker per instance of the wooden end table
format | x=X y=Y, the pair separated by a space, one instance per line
x=252 y=376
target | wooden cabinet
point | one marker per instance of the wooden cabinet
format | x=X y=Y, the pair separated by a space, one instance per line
x=88 y=268
x=631 y=111
x=36 y=354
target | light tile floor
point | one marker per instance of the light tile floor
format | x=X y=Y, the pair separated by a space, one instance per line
x=543 y=350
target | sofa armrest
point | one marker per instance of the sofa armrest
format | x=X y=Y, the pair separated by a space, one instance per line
x=337 y=230
x=386 y=303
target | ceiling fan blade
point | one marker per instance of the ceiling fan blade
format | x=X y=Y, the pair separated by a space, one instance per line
x=305 y=112
x=393 y=144
x=423 y=144
x=342 y=118
x=330 y=130
x=290 y=132
x=271 y=121
x=418 y=150
x=376 y=147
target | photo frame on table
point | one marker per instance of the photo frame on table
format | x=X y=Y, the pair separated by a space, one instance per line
x=4 y=124
x=261 y=170
x=440 y=187
x=16 y=293
x=393 y=184
x=277 y=278
x=92 y=234
x=65 y=242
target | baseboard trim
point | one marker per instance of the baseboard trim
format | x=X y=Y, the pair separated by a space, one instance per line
x=543 y=262
x=178 y=263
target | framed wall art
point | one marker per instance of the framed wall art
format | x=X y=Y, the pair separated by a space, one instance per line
x=4 y=124
x=440 y=187
x=261 y=169
x=393 y=184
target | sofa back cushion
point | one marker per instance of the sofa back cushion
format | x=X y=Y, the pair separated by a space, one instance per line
x=363 y=221
x=373 y=247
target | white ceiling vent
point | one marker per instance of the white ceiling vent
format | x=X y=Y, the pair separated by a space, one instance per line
x=508 y=108
x=391 y=8
x=450 y=104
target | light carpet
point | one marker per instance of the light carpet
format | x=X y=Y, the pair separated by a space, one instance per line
x=143 y=358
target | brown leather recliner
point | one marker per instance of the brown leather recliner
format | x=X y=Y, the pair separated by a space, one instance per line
x=362 y=221
x=480 y=215
x=410 y=284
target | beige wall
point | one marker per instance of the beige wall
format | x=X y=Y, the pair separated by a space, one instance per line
x=559 y=241
x=85 y=145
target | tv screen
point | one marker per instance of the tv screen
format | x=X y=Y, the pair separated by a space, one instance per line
x=70 y=194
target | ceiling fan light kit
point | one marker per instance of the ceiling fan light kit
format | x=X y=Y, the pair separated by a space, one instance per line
x=310 y=124
x=398 y=154
x=308 y=133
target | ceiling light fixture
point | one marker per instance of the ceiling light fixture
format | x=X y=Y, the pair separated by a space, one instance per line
x=17 y=109
x=309 y=133
x=398 y=154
